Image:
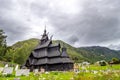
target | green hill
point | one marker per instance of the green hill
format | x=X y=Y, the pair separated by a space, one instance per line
x=95 y=53
x=19 y=52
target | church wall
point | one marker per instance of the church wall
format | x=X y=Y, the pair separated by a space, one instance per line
x=40 y=53
x=56 y=67
x=53 y=51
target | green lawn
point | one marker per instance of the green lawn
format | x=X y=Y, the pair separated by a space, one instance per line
x=89 y=73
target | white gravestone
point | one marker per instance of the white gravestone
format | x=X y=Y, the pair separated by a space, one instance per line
x=36 y=71
x=17 y=79
x=8 y=70
x=26 y=72
x=6 y=65
x=21 y=72
x=16 y=68
x=42 y=70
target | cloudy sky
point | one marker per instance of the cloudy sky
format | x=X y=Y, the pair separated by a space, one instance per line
x=77 y=22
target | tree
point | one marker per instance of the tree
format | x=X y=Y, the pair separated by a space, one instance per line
x=2 y=44
x=9 y=54
x=115 y=61
x=102 y=63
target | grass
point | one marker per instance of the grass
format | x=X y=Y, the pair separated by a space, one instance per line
x=94 y=67
x=89 y=73
x=43 y=76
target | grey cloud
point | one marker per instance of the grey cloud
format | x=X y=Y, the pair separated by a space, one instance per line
x=116 y=47
x=98 y=22
x=6 y=4
x=102 y=23
x=14 y=31
x=14 y=28
x=72 y=39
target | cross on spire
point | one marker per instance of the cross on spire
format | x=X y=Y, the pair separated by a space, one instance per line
x=45 y=30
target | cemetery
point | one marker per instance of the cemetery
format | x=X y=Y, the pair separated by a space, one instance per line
x=91 y=72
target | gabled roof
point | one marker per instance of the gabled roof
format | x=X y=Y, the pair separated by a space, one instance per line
x=39 y=54
x=55 y=45
x=54 y=60
x=64 y=54
x=66 y=60
x=50 y=52
x=43 y=45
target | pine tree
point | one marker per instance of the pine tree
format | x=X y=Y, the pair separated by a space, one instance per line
x=2 y=44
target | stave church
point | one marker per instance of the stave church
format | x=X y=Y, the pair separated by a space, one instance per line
x=49 y=56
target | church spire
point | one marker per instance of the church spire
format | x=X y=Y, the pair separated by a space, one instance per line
x=44 y=36
x=45 y=30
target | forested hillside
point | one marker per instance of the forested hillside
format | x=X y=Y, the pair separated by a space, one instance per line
x=95 y=53
x=19 y=52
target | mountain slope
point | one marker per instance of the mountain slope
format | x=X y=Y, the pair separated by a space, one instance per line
x=19 y=52
x=98 y=53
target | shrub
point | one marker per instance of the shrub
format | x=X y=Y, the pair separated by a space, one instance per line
x=115 y=61
x=102 y=63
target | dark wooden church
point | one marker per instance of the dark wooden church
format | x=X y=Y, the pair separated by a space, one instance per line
x=49 y=56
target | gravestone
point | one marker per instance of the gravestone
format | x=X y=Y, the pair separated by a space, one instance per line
x=36 y=71
x=26 y=72
x=21 y=72
x=83 y=68
x=17 y=79
x=7 y=70
x=95 y=72
x=76 y=67
x=42 y=70
x=6 y=65
x=16 y=68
